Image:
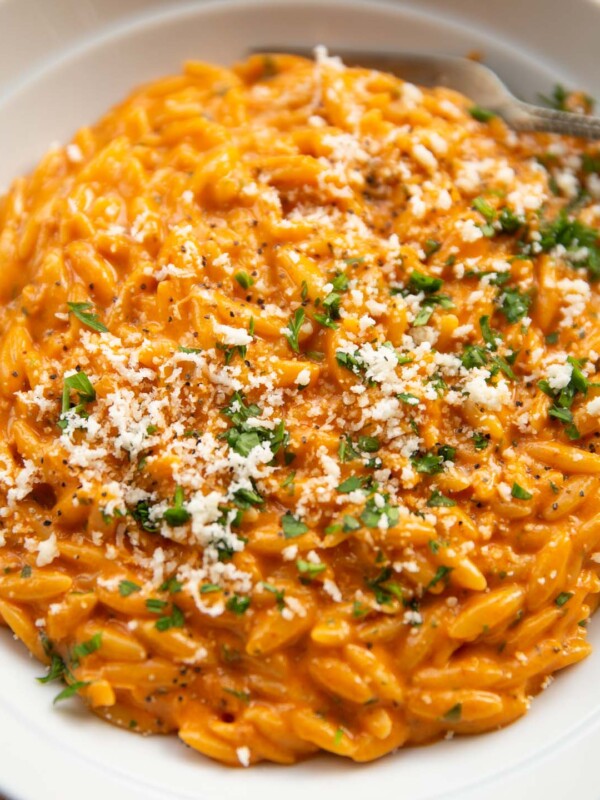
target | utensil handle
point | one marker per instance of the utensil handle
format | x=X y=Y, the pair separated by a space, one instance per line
x=526 y=117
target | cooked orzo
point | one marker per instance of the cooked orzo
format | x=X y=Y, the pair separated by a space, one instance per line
x=299 y=411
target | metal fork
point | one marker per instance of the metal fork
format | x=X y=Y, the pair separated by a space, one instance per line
x=472 y=79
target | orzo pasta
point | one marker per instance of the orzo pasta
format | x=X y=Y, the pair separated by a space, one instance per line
x=299 y=411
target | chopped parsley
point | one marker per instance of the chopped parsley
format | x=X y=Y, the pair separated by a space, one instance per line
x=177 y=515
x=453 y=714
x=292 y=526
x=82 y=312
x=173 y=620
x=142 y=515
x=83 y=649
x=350 y=362
x=59 y=670
x=238 y=605
x=308 y=569
x=513 y=304
x=557 y=99
x=189 y=350
x=243 y=697
x=383 y=588
x=474 y=355
x=441 y=574
x=438 y=500
x=350 y=523
x=573 y=235
x=430 y=286
x=431 y=463
x=172 y=585
x=243 y=438
x=351 y=484
x=485 y=209
x=278 y=593
x=293 y=329
x=82 y=386
x=563 y=398
x=156 y=606
x=420 y=282
x=373 y=513
x=481 y=114
x=490 y=336
x=246 y=498
x=431 y=247
x=520 y=493
x=244 y=279
x=563 y=598
x=480 y=440
x=128 y=587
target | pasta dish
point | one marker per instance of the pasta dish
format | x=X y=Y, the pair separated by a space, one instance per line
x=299 y=411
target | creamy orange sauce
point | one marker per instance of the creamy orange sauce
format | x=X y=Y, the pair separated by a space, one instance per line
x=292 y=455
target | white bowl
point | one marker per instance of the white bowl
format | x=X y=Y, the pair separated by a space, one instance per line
x=62 y=63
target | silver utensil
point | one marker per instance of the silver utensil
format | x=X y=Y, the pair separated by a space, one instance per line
x=472 y=79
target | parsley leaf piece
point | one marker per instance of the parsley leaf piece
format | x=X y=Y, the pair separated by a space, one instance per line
x=474 y=355
x=441 y=574
x=189 y=350
x=489 y=335
x=520 y=493
x=341 y=282
x=81 y=384
x=238 y=605
x=279 y=595
x=156 y=606
x=350 y=484
x=453 y=714
x=383 y=588
x=514 y=304
x=177 y=515
x=172 y=585
x=70 y=690
x=175 y=619
x=293 y=328
x=557 y=99
x=82 y=312
x=56 y=670
x=408 y=398
x=350 y=362
x=83 y=649
x=346 y=451
x=419 y=282
x=245 y=498
x=244 y=279
x=428 y=464
x=438 y=500
x=350 y=523
x=485 y=209
x=481 y=114
x=141 y=514
x=368 y=444
x=480 y=441
x=431 y=247
x=509 y=221
x=573 y=235
x=309 y=569
x=372 y=514
x=209 y=588
x=292 y=526
x=128 y=587
x=563 y=598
